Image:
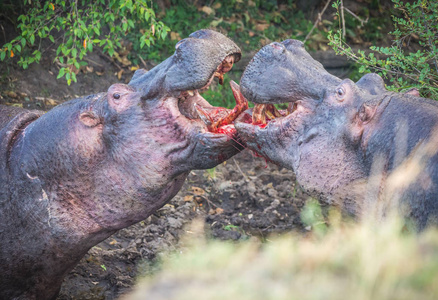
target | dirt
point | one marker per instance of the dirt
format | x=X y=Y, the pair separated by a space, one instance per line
x=244 y=197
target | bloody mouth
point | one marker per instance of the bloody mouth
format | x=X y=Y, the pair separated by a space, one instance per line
x=216 y=119
x=262 y=114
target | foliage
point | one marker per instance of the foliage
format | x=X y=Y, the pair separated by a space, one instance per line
x=400 y=63
x=369 y=260
x=79 y=26
x=313 y=217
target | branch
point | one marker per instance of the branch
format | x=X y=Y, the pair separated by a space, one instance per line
x=318 y=19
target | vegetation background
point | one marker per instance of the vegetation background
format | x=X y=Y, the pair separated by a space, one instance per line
x=140 y=34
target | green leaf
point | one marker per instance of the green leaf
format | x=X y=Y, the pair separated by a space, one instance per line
x=3 y=55
x=61 y=73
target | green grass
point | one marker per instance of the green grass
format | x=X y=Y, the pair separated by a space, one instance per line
x=350 y=261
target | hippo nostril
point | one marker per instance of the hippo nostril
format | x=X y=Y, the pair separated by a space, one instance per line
x=179 y=43
x=277 y=46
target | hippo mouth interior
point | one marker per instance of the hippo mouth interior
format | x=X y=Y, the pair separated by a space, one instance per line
x=215 y=119
x=262 y=114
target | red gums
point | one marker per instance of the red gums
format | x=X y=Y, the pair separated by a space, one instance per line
x=227 y=129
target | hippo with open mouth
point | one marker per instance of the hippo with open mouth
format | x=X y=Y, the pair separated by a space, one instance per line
x=73 y=176
x=356 y=145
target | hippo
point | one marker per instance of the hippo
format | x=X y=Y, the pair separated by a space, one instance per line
x=354 y=145
x=73 y=176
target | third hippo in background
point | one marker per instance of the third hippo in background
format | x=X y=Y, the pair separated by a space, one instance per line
x=356 y=145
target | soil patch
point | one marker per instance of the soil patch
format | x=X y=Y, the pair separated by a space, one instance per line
x=241 y=198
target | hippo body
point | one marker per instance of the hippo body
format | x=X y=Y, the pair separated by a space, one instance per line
x=73 y=176
x=356 y=145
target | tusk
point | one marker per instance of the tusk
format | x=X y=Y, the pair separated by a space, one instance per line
x=203 y=115
x=259 y=114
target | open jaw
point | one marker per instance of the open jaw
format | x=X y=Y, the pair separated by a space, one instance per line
x=214 y=119
x=263 y=114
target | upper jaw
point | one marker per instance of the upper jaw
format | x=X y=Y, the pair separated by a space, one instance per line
x=285 y=72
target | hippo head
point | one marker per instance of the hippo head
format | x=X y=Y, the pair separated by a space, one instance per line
x=170 y=94
x=316 y=136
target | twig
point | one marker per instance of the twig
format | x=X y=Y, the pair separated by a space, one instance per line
x=318 y=19
x=110 y=60
x=142 y=61
x=3 y=30
x=93 y=62
x=240 y=170
x=354 y=15
x=343 y=20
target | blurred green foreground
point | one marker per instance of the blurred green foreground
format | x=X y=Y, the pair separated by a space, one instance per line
x=350 y=261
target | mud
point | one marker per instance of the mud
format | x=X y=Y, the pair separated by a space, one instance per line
x=242 y=198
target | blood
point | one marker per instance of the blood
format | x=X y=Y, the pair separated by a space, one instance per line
x=227 y=129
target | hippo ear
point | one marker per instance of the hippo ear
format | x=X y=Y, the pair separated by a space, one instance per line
x=89 y=118
x=413 y=91
x=366 y=113
x=373 y=83
x=363 y=116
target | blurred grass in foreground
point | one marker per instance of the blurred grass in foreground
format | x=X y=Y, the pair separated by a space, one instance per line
x=350 y=261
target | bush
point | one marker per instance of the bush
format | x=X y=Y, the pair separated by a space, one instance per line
x=415 y=25
x=77 y=27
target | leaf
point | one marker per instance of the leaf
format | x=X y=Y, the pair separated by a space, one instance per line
x=61 y=73
x=198 y=191
x=208 y=10
x=188 y=198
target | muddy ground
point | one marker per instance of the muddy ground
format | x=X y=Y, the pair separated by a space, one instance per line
x=244 y=197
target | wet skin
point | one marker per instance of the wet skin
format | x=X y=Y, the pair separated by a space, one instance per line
x=347 y=142
x=73 y=176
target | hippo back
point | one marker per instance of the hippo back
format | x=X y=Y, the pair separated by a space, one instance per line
x=7 y=113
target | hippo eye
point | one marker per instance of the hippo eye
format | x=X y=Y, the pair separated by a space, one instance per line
x=340 y=92
x=116 y=96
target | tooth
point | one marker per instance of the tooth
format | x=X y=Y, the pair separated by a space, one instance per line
x=258 y=114
x=220 y=76
x=240 y=100
x=190 y=92
x=292 y=107
x=273 y=110
x=221 y=79
x=203 y=114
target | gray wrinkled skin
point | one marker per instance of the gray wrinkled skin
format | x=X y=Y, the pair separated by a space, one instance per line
x=347 y=142
x=73 y=176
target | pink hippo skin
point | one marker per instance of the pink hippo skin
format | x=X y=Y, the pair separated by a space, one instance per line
x=71 y=177
x=346 y=142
